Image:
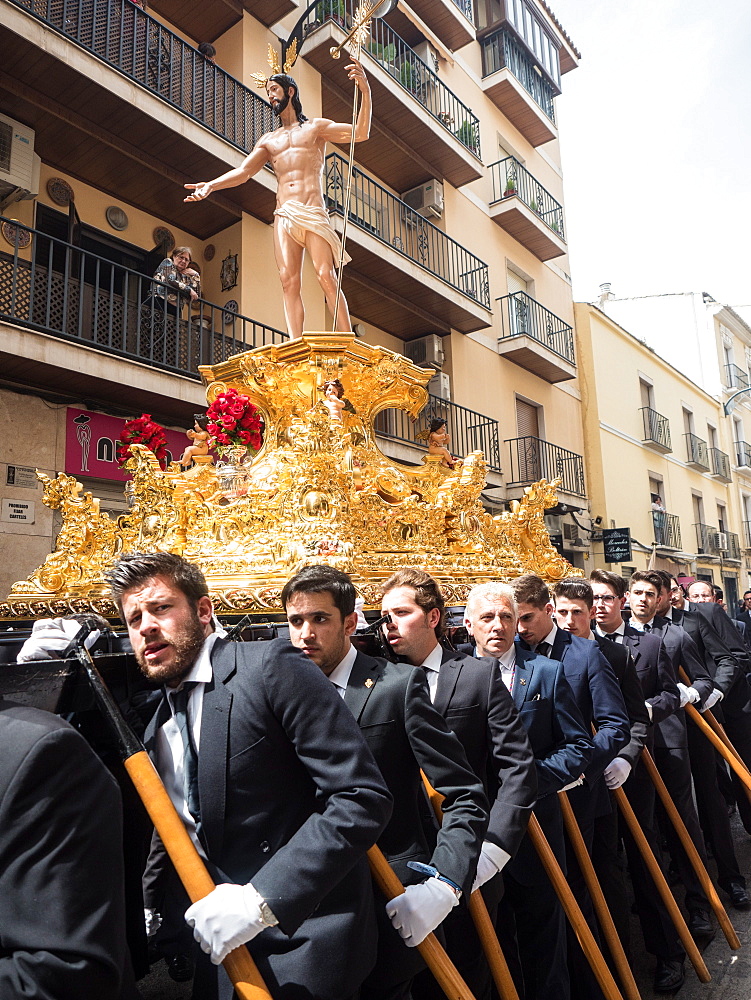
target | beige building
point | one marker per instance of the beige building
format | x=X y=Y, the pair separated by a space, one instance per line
x=660 y=456
x=456 y=229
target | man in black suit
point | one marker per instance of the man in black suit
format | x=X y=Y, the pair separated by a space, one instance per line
x=531 y=920
x=743 y=614
x=662 y=698
x=469 y=694
x=62 y=904
x=406 y=734
x=273 y=781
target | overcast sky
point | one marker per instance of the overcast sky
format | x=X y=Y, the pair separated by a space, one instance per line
x=655 y=129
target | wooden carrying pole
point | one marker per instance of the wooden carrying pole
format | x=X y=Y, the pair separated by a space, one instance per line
x=662 y=887
x=431 y=949
x=690 y=848
x=478 y=910
x=576 y=918
x=189 y=866
x=604 y=917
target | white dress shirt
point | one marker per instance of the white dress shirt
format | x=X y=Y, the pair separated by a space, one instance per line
x=432 y=665
x=641 y=626
x=339 y=676
x=618 y=633
x=169 y=742
x=549 y=639
x=507 y=662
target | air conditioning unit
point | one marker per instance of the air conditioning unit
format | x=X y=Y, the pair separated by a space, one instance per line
x=428 y=54
x=570 y=532
x=721 y=541
x=19 y=165
x=426 y=351
x=440 y=386
x=426 y=199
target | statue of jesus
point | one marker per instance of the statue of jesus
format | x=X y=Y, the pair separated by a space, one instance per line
x=296 y=152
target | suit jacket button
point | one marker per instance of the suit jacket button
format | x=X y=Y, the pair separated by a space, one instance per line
x=265 y=846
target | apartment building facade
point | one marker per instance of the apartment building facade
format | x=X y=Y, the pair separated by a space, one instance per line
x=661 y=460
x=456 y=229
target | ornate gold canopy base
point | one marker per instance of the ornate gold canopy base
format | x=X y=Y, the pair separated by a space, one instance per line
x=320 y=490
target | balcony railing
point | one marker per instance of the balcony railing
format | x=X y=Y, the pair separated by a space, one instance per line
x=469 y=431
x=735 y=377
x=706 y=539
x=131 y=41
x=733 y=550
x=747 y=535
x=533 y=459
x=467 y=8
x=667 y=529
x=404 y=65
x=377 y=211
x=656 y=428
x=521 y=316
x=77 y=296
x=743 y=453
x=696 y=451
x=720 y=464
x=511 y=179
x=501 y=51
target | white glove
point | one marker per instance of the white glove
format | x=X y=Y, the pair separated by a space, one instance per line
x=50 y=636
x=491 y=861
x=420 y=909
x=616 y=772
x=712 y=699
x=689 y=695
x=229 y=916
x=649 y=710
x=573 y=784
x=152 y=921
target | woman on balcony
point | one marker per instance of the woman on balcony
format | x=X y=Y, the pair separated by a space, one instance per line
x=175 y=282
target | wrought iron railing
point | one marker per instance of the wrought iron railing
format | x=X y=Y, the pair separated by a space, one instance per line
x=400 y=227
x=467 y=8
x=733 y=550
x=696 y=451
x=656 y=428
x=720 y=464
x=667 y=529
x=521 y=316
x=706 y=539
x=469 y=431
x=134 y=43
x=533 y=459
x=404 y=65
x=77 y=296
x=502 y=51
x=747 y=534
x=743 y=453
x=511 y=179
x=735 y=377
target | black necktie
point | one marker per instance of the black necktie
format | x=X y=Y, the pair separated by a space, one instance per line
x=190 y=757
x=647 y=628
x=543 y=648
x=613 y=636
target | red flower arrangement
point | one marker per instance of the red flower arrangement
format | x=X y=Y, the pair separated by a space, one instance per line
x=234 y=421
x=142 y=430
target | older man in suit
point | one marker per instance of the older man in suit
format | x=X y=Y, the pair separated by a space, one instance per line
x=62 y=903
x=406 y=734
x=470 y=695
x=531 y=919
x=274 y=784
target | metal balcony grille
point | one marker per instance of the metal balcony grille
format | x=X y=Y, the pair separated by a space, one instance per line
x=720 y=464
x=533 y=459
x=706 y=539
x=667 y=529
x=696 y=451
x=511 y=179
x=521 y=315
x=735 y=377
x=743 y=453
x=501 y=51
x=656 y=428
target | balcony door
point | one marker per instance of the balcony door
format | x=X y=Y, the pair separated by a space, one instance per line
x=528 y=443
x=519 y=314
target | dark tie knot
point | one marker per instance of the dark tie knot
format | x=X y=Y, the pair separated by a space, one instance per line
x=543 y=648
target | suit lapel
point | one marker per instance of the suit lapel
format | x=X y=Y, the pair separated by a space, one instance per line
x=451 y=667
x=525 y=668
x=214 y=749
x=366 y=672
x=634 y=638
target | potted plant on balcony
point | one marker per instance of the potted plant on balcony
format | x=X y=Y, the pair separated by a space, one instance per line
x=330 y=10
x=467 y=134
x=510 y=189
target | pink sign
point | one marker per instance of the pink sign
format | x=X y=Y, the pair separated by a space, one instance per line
x=91 y=445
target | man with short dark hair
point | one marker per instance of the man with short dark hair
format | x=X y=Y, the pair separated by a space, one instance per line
x=470 y=695
x=272 y=780
x=406 y=734
x=744 y=612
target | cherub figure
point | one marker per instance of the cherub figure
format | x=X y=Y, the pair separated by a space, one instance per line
x=438 y=439
x=333 y=398
x=201 y=440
